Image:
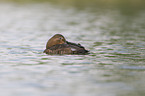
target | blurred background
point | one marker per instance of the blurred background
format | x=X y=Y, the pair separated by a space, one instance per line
x=112 y=30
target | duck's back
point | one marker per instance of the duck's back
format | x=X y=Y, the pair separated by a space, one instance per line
x=68 y=48
x=77 y=48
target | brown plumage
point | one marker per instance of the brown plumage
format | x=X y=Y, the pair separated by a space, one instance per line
x=58 y=45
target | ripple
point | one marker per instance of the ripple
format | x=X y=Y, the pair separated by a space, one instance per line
x=133 y=68
x=115 y=63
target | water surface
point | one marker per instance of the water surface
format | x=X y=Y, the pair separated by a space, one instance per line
x=114 y=67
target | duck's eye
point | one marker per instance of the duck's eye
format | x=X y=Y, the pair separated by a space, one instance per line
x=60 y=38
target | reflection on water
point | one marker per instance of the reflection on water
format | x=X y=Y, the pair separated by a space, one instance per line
x=114 y=67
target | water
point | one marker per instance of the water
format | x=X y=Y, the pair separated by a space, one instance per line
x=114 y=67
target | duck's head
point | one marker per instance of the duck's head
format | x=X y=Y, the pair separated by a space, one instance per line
x=56 y=39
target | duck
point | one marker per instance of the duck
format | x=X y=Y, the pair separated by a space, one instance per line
x=57 y=44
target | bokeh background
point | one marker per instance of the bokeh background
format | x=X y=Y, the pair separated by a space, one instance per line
x=112 y=30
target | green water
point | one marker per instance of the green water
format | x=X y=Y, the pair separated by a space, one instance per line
x=114 y=67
